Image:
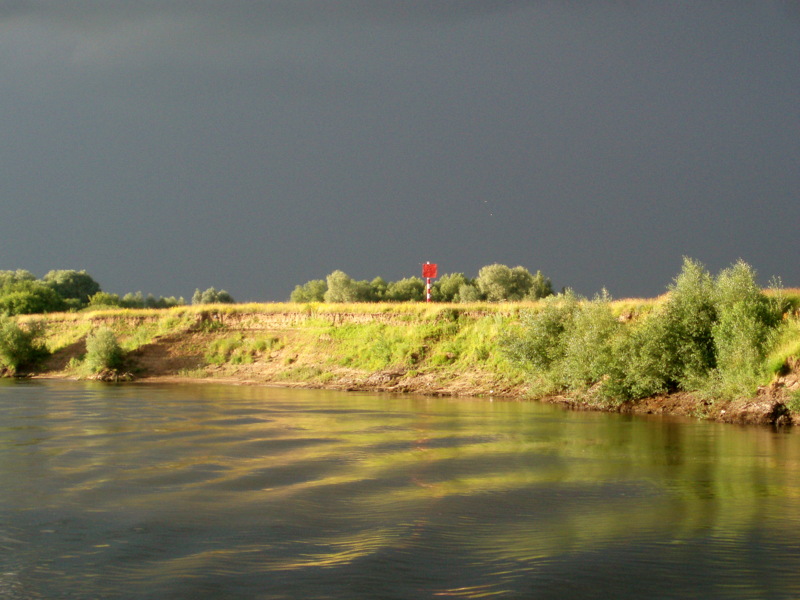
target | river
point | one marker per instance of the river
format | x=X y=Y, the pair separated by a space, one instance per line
x=211 y=491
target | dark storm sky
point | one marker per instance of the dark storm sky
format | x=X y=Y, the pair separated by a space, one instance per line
x=166 y=145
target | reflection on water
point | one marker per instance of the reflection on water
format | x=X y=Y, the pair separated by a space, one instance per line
x=249 y=492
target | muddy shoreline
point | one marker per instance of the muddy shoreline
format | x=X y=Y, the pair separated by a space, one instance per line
x=767 y=409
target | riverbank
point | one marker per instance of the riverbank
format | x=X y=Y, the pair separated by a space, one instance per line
x=450 y=350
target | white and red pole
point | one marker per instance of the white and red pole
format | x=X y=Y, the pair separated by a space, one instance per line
x=428 y=272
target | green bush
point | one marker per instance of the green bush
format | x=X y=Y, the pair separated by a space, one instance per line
x=710 y=335
x=643 y=365
x=744 y=332
x=539 y=344
x=589 y=351
x=103 y=351
x=19 y=347
x=688 y=318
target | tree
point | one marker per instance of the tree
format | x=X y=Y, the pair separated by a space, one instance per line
x=311 y=291
x=342 y=288
x=446 y=288
x=137 y=300
x=410 y=289
x=131 y=300
x=541 y=287
x=29 y=297
x=104 y=299
x=72 y=285
x=12 y=277
x=212 y=296
x=378 y=287
x=498 y=282
x=469 y=292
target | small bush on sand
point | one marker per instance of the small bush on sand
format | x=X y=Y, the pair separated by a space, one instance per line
x=103 y=351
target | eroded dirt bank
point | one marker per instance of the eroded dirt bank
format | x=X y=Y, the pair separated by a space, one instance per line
x=297 y=349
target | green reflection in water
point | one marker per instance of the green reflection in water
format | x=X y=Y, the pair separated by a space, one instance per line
x=147 y=486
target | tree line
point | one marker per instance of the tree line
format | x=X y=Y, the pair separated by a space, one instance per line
x=69 y=290
x=494 y=283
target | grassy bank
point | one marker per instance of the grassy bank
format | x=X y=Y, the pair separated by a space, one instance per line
x=446 y=349
x=452 y=349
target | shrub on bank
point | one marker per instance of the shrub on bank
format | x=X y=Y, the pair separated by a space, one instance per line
x=103 y=351
x=540 y=342
x=19 y=347
x=589 y=347
x=711 y=335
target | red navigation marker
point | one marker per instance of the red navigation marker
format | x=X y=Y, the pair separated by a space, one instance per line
x=428 y=272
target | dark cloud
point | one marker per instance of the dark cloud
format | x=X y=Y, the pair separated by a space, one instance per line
x=173 y=145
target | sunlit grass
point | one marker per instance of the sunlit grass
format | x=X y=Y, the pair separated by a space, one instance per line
x=786 y=346
x=452 y=344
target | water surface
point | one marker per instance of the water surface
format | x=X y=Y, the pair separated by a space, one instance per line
x=208 y=491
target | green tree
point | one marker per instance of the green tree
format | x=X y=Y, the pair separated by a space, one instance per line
x=689 y=316
x=131 y=300
x=445 y=289
x=469 y=292
x=212 y=296
x=342 y=288
x=12 y=277
x=410 y=289
x=378 y=287
x=169 y=301
x=498 y=282
x=541 y=287
x=311 y=291
x=72 y=285
x=105 y=299
x=26 y=297
x=495 y=282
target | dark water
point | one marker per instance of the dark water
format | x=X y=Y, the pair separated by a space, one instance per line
x=236 y=492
